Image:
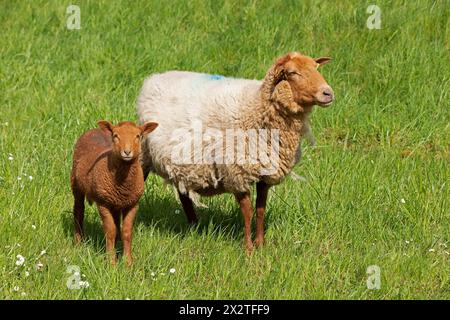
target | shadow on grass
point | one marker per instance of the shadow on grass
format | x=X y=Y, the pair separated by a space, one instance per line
x=92 y=227
x=167 y=216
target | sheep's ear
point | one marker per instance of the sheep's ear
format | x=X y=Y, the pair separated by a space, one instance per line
x=148 y=127
x=322 y=60
x=279 y=71
x=282 y=95
x=106 y=126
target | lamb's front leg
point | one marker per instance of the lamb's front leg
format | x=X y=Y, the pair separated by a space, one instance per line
x=109 y=227
x=247 y=211
x=127 y=232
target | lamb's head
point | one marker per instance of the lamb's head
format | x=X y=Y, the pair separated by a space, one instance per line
x=297 y=83
x=126 y=137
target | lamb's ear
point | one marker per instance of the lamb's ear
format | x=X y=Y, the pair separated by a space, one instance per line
x=322 y=60
x=106 y=126
x=148 y=127
x=282 y=95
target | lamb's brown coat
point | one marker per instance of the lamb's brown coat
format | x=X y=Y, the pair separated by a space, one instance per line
x=106 y=170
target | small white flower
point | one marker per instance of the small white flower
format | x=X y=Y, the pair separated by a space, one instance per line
x=407 y=241
x=33 y=227
x=23 y=294
x=84 y=284
x=402 y=200
x=27 y=274
x=172 y=270
x=431 y=250
x=152 y=274
x=83 y=275
x=39 y=266
x=162 y=273
x=19 y=178
x=20 y=260
x=10 y=158
x=6 y=123
x=43 y=252
x=16 y=288
x=30 y=177
x=177 y=211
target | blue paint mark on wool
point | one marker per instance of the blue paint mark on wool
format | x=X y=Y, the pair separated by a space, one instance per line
x=216 y=77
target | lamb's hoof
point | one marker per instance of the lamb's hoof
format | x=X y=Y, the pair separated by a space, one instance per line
x=259 y=242
x=128 y=262
x=113 y=260
x=249 y=248
x=78 y=238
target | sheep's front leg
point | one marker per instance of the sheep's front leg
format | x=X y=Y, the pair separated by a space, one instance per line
x=247 y=211
x=109 y=227
x=262 y=189
x=127 y=233
x=188 y=208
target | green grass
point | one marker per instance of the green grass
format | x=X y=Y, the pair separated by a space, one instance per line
x=385 y=139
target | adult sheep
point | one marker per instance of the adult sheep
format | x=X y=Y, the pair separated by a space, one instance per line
x=192 y=107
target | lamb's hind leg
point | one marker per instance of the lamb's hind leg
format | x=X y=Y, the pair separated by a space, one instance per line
x=188 y=208
x=78 y=215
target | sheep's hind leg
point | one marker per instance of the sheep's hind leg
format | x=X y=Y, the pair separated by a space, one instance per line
x=262 y=190
x=78 y=215
x=247 y=211
x=109 y=227
x=188 y=208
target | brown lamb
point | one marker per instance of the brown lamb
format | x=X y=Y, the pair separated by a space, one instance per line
x=106 y=170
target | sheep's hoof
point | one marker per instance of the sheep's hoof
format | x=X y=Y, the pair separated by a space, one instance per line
x=193 y=222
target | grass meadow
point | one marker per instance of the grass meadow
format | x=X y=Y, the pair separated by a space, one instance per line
x=376 y=186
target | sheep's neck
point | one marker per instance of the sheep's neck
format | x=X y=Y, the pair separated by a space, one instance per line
x=291 y=127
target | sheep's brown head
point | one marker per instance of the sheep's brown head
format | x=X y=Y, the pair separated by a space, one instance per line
x=126 y=137
x=298 y=85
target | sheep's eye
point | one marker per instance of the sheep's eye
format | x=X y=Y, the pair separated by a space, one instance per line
x=291 y=73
